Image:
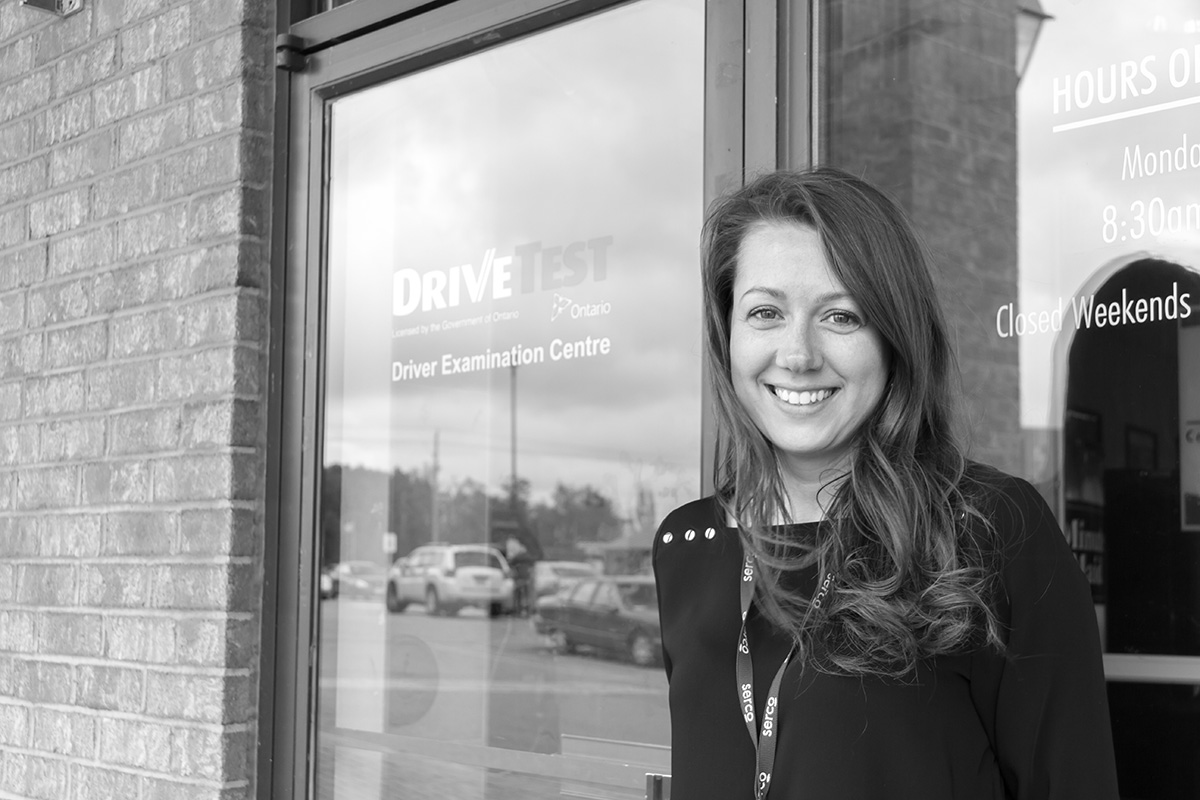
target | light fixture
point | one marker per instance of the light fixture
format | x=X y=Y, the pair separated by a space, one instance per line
x=60 y=8
x=1030 y=17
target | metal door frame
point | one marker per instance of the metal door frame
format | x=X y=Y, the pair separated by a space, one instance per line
x=758 y=115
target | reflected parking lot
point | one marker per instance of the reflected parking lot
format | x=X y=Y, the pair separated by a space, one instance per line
x=400 y=691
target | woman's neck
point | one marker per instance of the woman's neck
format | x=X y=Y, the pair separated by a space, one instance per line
x=810 y=495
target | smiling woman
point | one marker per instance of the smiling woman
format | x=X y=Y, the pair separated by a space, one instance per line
x=912 y=624
x=805 y=366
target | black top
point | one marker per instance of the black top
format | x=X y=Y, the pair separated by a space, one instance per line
x=981 y=726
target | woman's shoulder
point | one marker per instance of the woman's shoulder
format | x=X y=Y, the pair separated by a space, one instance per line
x=704 y=512
x=1024 y=528
x=1013 y=504
x=693 y=533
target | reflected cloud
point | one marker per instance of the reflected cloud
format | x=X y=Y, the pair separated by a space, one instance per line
x=591 y=132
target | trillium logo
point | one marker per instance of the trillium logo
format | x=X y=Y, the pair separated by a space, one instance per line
x=564 y=305
x=561 y=304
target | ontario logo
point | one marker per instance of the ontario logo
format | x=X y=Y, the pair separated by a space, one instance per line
x=532 y=267
x=564 y=305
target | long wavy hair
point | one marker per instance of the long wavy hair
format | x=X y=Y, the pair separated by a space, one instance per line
x=904 y=533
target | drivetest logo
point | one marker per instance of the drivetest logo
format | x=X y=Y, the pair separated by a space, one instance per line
x=531 y=267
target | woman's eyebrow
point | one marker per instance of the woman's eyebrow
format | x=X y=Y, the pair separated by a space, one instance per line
x=778 y=294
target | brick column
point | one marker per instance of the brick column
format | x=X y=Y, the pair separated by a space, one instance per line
x=134 y=186
x=922 y=100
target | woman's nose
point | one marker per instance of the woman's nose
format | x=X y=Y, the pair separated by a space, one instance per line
x=799 y=352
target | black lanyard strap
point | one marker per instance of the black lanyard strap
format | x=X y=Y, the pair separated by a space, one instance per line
x=764 y=737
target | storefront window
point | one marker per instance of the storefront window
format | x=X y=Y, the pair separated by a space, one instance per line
x=512 y=400
x=1107 y=320
x=1062 y=207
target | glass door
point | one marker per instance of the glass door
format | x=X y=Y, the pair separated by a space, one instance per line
x=1107 y=319
x=497 y=208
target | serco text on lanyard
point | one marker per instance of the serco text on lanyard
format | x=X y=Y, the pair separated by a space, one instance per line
x=764 y=738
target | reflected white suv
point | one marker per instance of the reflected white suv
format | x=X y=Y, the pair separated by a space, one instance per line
x=447 y=577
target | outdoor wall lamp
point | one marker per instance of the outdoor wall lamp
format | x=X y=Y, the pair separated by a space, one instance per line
x=60 y=8
x=1030 y=17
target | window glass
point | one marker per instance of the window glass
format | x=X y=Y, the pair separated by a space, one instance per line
x=639 y=595
x=582 y=593
x=513 y=360
x=1109 y=300
x=477 y=558
x=1048 y=152
x=606 y=596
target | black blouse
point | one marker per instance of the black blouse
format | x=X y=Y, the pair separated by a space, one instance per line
x=1029 y=724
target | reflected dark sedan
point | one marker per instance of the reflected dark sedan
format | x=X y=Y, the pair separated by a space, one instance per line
x=611 y=613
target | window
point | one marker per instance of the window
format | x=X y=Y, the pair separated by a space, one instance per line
x=511 y=360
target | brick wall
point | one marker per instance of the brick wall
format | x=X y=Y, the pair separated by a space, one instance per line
x=922 y=100
x=135 y=143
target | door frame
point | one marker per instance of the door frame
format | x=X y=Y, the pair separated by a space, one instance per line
x=758 y=115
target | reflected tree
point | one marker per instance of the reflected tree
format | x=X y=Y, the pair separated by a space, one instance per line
x=468 y=513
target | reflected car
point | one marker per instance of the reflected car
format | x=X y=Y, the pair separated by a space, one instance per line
x=552 y=577
x=359 y=579
x=327 y=584
x=446 y=578
x=616 y=614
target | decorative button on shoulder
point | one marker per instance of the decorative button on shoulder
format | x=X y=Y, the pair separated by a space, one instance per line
x=709 y=533
x=667 y=537
x=691 y=534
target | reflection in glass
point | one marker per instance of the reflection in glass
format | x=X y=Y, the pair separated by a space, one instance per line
x=1080 y=335
x=1108 y=299
x=513 y=379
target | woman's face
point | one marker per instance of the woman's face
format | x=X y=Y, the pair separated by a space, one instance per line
x=806 y=365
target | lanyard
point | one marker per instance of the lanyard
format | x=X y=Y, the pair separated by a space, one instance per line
x=764 y=738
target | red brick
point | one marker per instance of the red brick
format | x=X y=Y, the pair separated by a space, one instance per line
x=142 y=640
x=85 y=250
x=71 y=634
x=64 y=732
x=72 y=439
x=81 y=159
x=156 y=37
x=86 y=68
x=77 y=345
x=114 y=585
x=141 y=533
x=111 y=688
x=152 y=133
x=136 y=744
x=121 y=385
x=54 y=394
x=47 y=487
x=128 y=95
x=23 y=180
x=46 y=584
x=14 y=724
x=116 y=482
x=145 y=431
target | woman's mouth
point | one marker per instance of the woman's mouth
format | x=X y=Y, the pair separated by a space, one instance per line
x=805 y=398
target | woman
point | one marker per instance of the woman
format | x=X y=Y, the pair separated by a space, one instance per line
x=859 y=611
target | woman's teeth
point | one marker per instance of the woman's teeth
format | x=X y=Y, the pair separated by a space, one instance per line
x=801 y=398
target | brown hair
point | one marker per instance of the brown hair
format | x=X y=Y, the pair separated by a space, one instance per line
x=904 y=534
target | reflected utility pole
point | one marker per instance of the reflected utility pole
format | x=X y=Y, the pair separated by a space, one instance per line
x=433 y=490
x=512 y=404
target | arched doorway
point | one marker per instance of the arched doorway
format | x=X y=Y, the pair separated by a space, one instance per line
x=1126 y=405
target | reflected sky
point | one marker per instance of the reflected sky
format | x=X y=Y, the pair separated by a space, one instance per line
x=1080 y=216
x=586 y=135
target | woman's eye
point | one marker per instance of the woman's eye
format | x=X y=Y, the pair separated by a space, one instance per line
x=764 y=314
x=844 y=319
